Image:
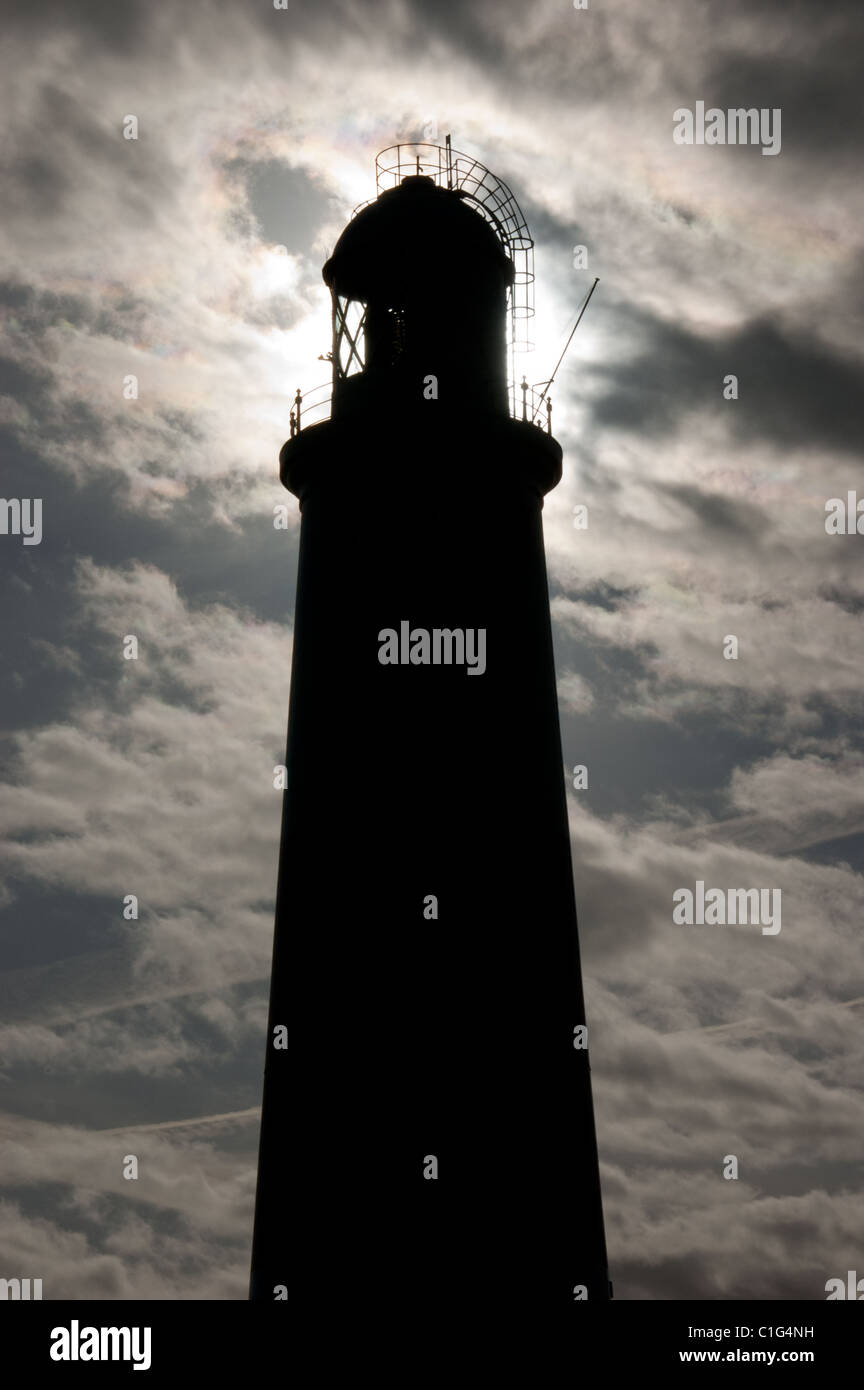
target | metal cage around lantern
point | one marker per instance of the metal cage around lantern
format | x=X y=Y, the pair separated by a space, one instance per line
x=493 y=200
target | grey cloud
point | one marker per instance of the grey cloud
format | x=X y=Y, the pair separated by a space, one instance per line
x=149 y=258
x=815 y=91
x=792 y=391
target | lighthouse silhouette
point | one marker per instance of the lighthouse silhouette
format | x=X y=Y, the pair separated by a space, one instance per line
x=427 y=1134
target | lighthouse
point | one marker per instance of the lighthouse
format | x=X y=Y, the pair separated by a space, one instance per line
x=427 y=1134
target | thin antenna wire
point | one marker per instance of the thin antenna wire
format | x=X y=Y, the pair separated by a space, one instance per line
x=566 y=345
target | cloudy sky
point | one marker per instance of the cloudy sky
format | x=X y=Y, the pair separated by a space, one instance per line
x=190 y=258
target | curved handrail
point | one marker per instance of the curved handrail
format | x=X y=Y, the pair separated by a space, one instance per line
x=315 y=406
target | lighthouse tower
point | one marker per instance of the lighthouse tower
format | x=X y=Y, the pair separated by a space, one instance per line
x=427 y=1136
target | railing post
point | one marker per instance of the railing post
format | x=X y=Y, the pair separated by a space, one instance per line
x=298 y=402
x=524 y=398
x=548 y=414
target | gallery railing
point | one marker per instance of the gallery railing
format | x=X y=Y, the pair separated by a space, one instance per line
x=529 y=403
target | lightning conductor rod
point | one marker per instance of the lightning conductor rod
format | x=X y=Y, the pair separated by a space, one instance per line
x=566 y=346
